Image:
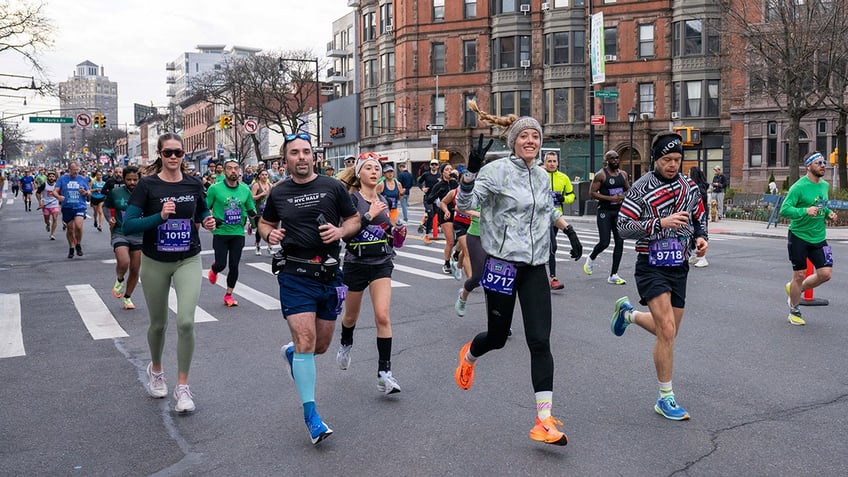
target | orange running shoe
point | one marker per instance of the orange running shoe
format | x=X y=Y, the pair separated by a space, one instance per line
x=464 y=374
x=230 y=301
x=547 y=432
x=426 y=240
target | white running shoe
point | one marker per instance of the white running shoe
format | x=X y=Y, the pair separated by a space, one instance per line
x=615 y=279
x=183 y=396
x=156 y=385
x=343 y=356
x=702 y=262
x=258 y=251
x=386 y=383
x=588 y=267
x=459 y=306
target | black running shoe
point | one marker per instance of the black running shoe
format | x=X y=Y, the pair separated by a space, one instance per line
x=71 y=252
x=79 y=250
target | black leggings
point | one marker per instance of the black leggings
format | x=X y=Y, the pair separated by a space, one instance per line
x=477 y=256
x=552 y=258
x=225 y=245
x=607 y=220
x=534 y=294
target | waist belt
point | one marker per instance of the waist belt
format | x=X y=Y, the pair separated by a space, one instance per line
x=369 y=249
x=325 y=271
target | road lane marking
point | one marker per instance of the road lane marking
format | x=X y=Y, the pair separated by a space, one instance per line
x=95 y=314
x=11 y=332
x=200 y=315
x=266 y=267
x=265 y=301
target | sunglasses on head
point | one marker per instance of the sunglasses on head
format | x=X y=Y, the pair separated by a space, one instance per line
x=172 y=153
x=292 y=137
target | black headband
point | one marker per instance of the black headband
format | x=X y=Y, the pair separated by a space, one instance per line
x=665 y=145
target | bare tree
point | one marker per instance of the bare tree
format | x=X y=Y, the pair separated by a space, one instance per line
x=788 y=49
x=257 y=87
x=14 y=139
x=25 y=31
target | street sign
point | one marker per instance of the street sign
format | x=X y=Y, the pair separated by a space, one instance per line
x=50 y=120
x=435 y=127
x=598 y=120
x=606 y=94
x=251 y=126
x=83 y=120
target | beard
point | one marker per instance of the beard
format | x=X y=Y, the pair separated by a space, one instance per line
x=613 y=165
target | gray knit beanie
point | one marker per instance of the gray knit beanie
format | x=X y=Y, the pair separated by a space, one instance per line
x=519 y=125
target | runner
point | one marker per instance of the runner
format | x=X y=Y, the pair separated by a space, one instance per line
x=15 y=182
x=425 y=182
x=459 y=260
x=127 y=248
x=406 y=180
x=368 y=264
x=27 y=187
x=313 y=213
x=231 y=203
x=608 y=188
x=71 y=190
x=48 y=204
x=664 y=212
x=169 y=206
x=806 y=207
x=562 y=192
x=97 y=197
x=444 y=211
x=516 y=214
x=392 y=190
x=260 y=190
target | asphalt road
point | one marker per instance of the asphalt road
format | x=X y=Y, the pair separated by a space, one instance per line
x=766 y=398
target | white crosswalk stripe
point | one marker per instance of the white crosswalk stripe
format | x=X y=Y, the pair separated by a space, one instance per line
x=265 y=301
x=266 y=267
x=11 y=334
x=99 y=321
x=200 y=315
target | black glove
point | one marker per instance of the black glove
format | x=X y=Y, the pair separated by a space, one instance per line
x=576 y=247
x=478 y=155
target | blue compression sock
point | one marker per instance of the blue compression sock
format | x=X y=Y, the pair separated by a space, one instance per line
x=303 y=369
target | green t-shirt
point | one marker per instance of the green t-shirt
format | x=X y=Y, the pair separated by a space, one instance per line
x=474 y=228
x=118 y=199
x=803 y=194
x=229 y=206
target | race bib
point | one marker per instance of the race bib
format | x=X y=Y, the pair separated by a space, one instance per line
x=232 y=216
x=174 y=236
x=371 y=233
x=498 y=276
x=667 y=252
x=72 y=195
x=614 y=191
x=828 y=256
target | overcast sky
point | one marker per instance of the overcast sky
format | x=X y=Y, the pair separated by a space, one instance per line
x=134 y=39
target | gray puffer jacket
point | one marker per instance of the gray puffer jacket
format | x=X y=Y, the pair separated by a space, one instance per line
x=516 y=211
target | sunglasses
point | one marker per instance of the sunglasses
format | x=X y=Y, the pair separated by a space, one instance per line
x=820 y=163
x=172 y=153
x=292 y=137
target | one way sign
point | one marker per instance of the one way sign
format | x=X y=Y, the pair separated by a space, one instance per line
x=435 y=127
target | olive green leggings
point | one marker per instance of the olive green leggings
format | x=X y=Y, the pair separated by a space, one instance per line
x=156 y=280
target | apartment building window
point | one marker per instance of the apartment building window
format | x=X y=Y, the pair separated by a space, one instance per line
x=646 y=98
x=755 y=152
x=646 y=41
x=556 y=111
x=470 y=120
x=803 y=147
x=610 y=41
x=524 y=102
x=368 y=26
x=609 y=106
x=508 y=51
x=369 y=72
x=385 y=16
x=712 y=98
x=821 y=136
x=696 y=98
x=507 y=103
x=438 y=59
x=387 y=117
x=438 y=10
x=387 y=66
x=509 y=6
x=470 y=9
x=370 y=120
x=439 y=108
x=557 y=48
x=469 y=55
x=771 y=144
x=695 y=38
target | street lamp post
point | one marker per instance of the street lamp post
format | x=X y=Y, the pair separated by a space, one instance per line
x=631 y=117
x=317 y=94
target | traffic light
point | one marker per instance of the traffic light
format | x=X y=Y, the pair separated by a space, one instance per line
x=228 y=121
x=102 y=121
x=96 y=119
x=222 y=121
x=691 y=135
x=834 y=155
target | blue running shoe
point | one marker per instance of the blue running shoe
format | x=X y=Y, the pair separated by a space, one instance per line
x=667 y=407
x=618 y=324
x=288 y=352
x=318 y=431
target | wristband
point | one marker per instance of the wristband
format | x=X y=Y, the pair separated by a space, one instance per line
x=268 y=238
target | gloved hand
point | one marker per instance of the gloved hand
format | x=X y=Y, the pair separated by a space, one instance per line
x=478 y=155
x=576 y=247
